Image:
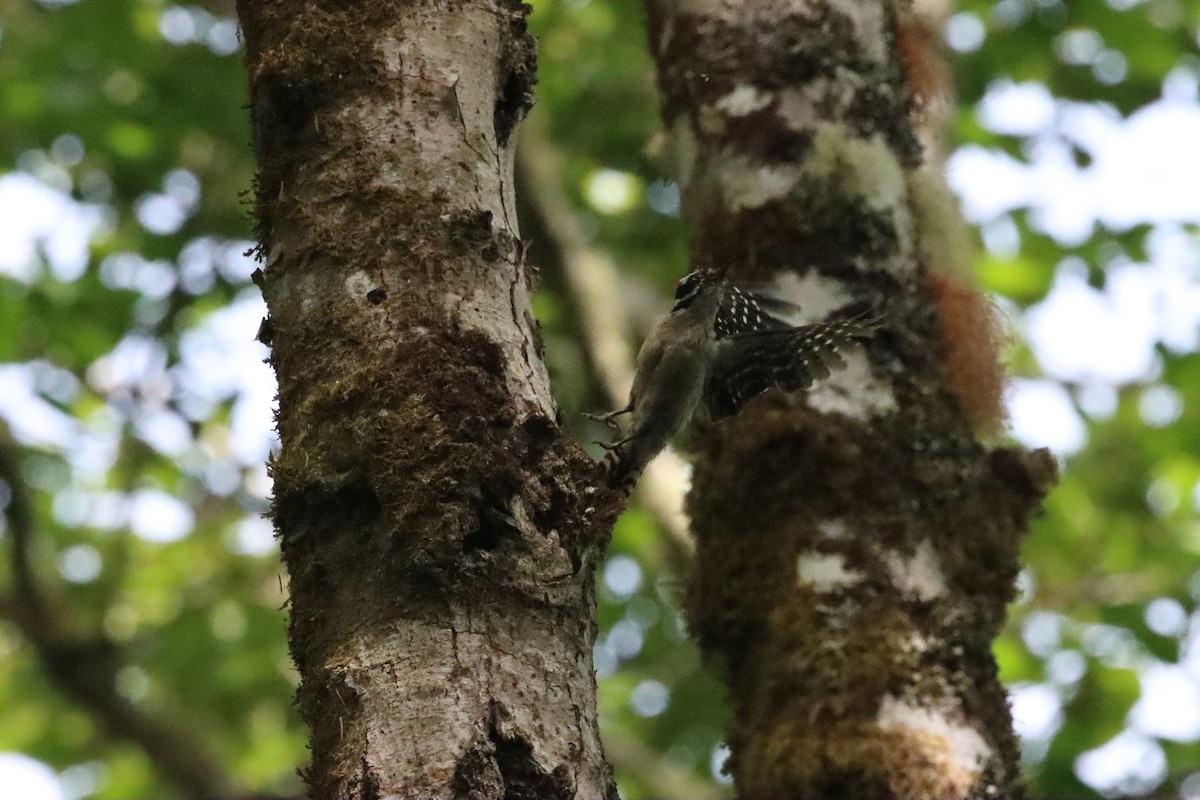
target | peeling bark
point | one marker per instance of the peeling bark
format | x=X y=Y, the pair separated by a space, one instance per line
x=856 y=544
x=440 y=531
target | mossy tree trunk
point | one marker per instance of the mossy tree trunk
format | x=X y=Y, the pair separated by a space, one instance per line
x=856 y=545
x=440 y=531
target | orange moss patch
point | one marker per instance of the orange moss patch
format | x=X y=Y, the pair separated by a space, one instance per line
x=928 y=76
x=972 y=337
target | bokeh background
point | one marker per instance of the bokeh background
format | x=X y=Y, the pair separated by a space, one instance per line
x=131 y=381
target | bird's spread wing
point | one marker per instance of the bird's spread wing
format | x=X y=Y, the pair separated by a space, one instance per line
x=742 y=311
x=787 y=358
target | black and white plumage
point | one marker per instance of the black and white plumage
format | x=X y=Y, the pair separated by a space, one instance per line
x=787 y=359
x=741 y=312
x=723 y=345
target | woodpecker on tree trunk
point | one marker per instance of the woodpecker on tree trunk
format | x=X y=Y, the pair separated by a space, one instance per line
x=721 y=345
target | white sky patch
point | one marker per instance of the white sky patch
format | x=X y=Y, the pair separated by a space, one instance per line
x=1104 y=338
x=1130 y=763
x=205 y=257
x=165 y=431
x=33 y=420
x=89 y=444
x=80 y=563
x=159 y=517
x=103 y=510
x=1056 y=192
x=94 y=452
x=612 y=191
x=1041 y=415
x=720 y=755
x=1115 y=646
x=1174 y=265
x=1066 y=668
x=160 y=213
x=220 y=359
x=39 y=219
x=626 y=637
x=1079 y=47
x=1017 y=109
x=1169 y=706
x=966 y=748
x=1083 y=334
x=622 y=576
x=663 y=197
x=1152 y=156
x=972 y=167
x=919 y=575
x=650 y=698
x=964 y=32
x=258 y=481
x=255 y=536
x=1098 y=400
x=1166 y=616
x=137 y=362
x=28 y=778
x=154 y=279
x=67 y=150
x=1036 y=709
x=1143 y=168
x=1160 y=405
x=825 y=572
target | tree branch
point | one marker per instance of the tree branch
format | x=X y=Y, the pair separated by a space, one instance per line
x=85 y=668
x=28 y=602
x=660 y=777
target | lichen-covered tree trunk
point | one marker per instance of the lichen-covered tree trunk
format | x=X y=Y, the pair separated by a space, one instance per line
x=440 y=532
x=856 y=545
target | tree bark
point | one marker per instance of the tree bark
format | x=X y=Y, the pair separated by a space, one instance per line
x=440 y=531
x=856 y=544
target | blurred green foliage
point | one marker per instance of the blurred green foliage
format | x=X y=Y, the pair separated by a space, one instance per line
x=135 y=110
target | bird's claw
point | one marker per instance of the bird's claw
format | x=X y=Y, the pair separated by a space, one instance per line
x=609 y=419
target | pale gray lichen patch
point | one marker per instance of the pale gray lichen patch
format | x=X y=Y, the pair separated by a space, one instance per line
x=746 y=183
x=814 y=296
x=919 y=575
x=854 y=392
x=685 y=149
x=825 y=572
x=870 y=26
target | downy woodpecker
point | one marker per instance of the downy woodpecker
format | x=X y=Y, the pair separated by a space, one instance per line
x=722 y=345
